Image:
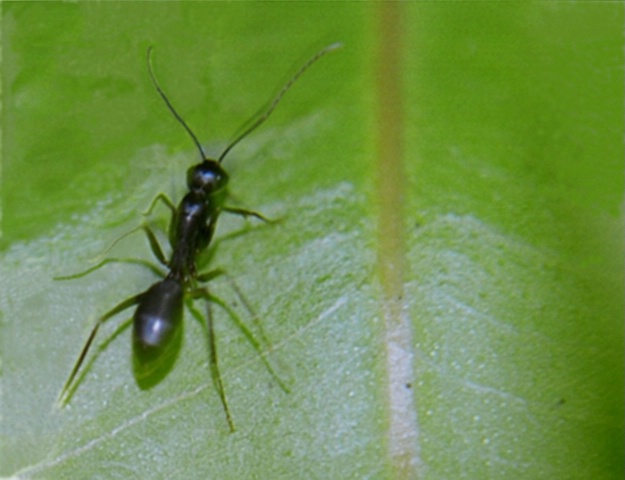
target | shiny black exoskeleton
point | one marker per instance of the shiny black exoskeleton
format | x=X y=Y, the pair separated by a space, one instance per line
x=158 y=316
x=157 y=321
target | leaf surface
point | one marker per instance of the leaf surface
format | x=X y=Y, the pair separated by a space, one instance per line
x=509 y=188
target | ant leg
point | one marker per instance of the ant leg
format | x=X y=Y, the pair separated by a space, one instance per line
x=210 y=275
x=172 y=208
x=247 y=213
x=154 y=245
x=214 y=365
x=129 y=302
x=107 y=250
x=248 y=306
x=137 y=261
x=218 y=272
x=166 y=201
x=247 y=333
x=117 y=240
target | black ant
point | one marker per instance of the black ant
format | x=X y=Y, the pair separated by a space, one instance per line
x=158 y=317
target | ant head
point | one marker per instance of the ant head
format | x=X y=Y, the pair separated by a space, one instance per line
x=208 y=177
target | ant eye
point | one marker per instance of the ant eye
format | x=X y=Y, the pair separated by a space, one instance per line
x=207 y=176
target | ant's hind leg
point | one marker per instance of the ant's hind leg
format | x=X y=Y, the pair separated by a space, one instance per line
x=218 y=272
x=214 y=362
x=129 y=302
x=248 y=306
x=247 y=333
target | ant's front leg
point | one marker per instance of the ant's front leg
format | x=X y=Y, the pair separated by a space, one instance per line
x=154 y=245
x=165 y=200
x=247 y=213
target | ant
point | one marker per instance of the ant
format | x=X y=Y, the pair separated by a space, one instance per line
x=158 y=316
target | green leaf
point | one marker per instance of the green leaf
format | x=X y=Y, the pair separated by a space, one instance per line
x=443 y=293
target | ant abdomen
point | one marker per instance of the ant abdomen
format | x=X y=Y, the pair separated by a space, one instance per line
x=158 y=319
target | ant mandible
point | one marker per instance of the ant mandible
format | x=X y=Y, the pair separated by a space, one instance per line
x=158 y=317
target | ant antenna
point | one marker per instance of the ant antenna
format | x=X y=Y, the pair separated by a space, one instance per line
x=258 y=122
x=171 y=107
x=275 y=101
